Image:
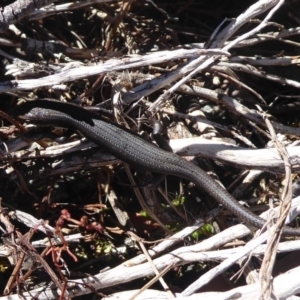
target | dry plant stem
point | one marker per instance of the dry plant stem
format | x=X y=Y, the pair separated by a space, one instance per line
x=27 y=245
x=167 y=243
x=237 y=108
x=12 y=121
x=261 y=159
x=29 y=272
x=108 y=66
x=273 y=241
x=72 y=238
x=247 y=292
x=23 y=183
x=278 y=36
x=14 y=277
x=157 y=273
x=124 y=274
x=4 y=54
x=184 y=255
x=119 y=211
x=151 y=282
x=208 y=276
x=18 y=10
x=264 y=61
x=253 y=71
x=126 y=6
x=46 y=12
x=252 y=11
x=32 y=222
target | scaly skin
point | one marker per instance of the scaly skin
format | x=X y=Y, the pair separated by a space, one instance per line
x=136 y=151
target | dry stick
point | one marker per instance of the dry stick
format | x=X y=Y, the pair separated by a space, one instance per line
x=246 y=292
x=184 y=255
x=157 y=273
x=26 y=243
x=126 y=6
x=154 y=84
x=39 y=258
x=228 y=31
x=273 y=241
x=119 y=210
x=179 y=256
x=5 y=219
x=265 y=61
x=18 y=10
x=255 y=72
x=237 y=108
x=13 y=279
x=23 y=183
x=256 y=9
x=208 y=276
x=152 y=281
x=44 y=12
x=278 y=36
x=108 y=66
x=29 y=272
x=18 y=125
x=12 y=121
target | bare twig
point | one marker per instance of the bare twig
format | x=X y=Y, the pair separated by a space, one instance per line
x=19 y=10
x=275 y=232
